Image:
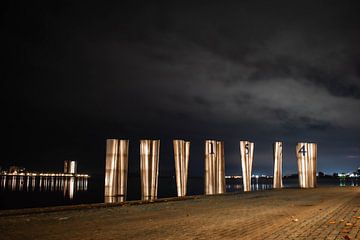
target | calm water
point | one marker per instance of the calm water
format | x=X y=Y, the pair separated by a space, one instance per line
x=25 y=192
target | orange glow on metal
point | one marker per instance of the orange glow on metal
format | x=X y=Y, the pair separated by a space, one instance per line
x=149 y=168
x=116 y=168
x=278 y=159
x=214 y=167
x=247 y=157
x=306 y=154
x=181 y=157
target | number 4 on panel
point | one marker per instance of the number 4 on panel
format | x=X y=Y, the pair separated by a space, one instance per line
x=302 y=150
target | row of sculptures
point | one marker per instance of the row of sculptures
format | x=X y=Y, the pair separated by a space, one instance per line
x=117 y=167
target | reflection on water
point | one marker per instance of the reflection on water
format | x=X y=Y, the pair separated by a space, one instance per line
x=256 y=185
x=42 y=191
x=68 y=185
x=263 y=184
x=349 y=182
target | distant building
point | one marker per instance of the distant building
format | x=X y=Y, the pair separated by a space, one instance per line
x=70 y=166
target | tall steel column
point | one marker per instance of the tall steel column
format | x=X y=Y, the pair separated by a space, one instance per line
x=66 y=166
x=214 y=167
x=73 y=167
x=122 y=170
x=116 y=170
x=220 y=168
x=247 y=157
x=70 y=167
x=278 y=158
x=149 y=168
x=181 y=157
x=306 y=154
x=111 y=166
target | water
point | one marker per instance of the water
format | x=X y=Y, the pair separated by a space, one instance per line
x=27 y=192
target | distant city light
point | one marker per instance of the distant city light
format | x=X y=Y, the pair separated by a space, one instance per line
x=31 y=174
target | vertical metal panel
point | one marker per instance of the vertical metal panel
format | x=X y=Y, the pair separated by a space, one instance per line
x=301 y=150
x=149 y=168
x=144 y=167
x=312 y=148
x=306 y=154
x=177 y=145
x=116 y=169
x=155 y=167
x=214 y=167
x=111 y=167
x=72 y=167
x=210 y=158
x=181 y=157
x=66 y=167
x=220 y=168
x=186 y=166
x=247 y=156
x=278 y=158
x=122 y=169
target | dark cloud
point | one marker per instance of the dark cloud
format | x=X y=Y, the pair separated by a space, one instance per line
x=78 y=73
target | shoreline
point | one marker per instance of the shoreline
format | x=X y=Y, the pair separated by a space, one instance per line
x=74 y=207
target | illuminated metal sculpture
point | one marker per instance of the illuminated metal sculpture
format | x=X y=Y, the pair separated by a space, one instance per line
x=278 y=158
x=149 y=168
x=306 y=154
x=116 y=170
x=247 y=156
x=66 y=166
x=214 y=167
x=181 y=156
x=70 y=167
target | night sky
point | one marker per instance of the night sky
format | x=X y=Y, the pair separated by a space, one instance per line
x=75 y=73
